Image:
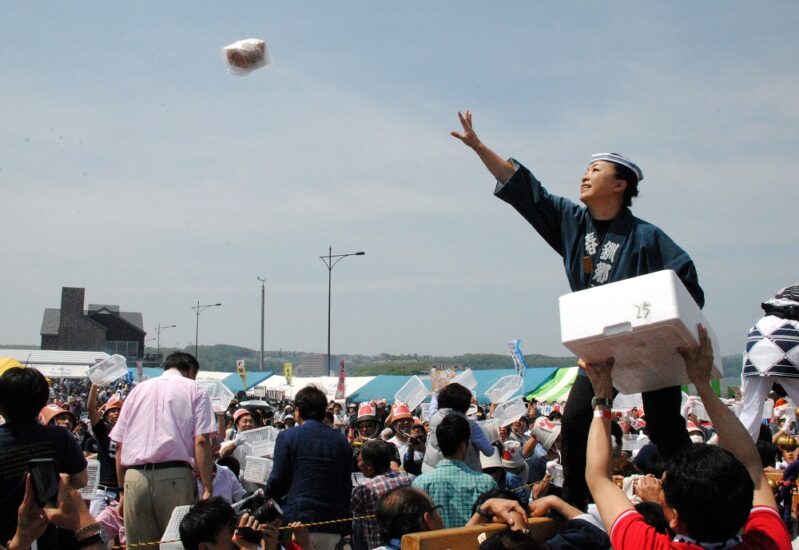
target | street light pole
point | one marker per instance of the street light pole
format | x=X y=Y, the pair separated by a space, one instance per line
x=263 y=300
x=197 y=310
x=330 y=264
x=158 y=330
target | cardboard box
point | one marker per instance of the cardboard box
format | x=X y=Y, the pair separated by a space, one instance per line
x=640 y=322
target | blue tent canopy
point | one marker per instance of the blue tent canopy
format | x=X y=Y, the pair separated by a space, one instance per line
x=233 y=381
x=385 y=386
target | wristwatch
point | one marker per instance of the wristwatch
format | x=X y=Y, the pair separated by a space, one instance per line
x=602 y=402
x=99 y=536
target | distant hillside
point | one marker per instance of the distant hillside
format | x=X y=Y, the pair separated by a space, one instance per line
x=223 y=357
x=733 y=364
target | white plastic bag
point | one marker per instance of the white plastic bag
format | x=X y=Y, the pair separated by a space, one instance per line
x=245 y=56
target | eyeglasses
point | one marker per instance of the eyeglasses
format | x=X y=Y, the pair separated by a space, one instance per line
x=435 y=509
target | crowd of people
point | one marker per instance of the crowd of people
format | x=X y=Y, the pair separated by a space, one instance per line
x=365 y=474
x=315 y=474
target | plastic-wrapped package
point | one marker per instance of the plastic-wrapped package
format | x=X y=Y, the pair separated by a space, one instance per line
x=245 y=56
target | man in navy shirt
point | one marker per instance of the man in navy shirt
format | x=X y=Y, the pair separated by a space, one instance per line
x=311 y=471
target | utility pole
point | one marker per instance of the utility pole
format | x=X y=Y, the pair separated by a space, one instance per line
x=263 y=301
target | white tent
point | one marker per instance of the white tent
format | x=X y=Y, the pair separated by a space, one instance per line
x=327 y=384
x=54 y=363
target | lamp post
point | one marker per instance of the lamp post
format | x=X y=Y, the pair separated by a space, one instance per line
x=197 y=310
x=158 y=330
x=263 y=301
x=330 y=262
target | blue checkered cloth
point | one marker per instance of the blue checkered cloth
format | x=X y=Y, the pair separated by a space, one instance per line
x=455 y=487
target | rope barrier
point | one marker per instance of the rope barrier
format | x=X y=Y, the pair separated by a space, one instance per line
x=313 y=524
x=283 y=528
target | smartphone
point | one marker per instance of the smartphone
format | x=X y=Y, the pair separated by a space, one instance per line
x=44 y=478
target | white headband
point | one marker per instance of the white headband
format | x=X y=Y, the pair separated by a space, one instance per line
x=615 y=158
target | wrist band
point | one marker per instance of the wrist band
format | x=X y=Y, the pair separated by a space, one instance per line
x=87 y=528
x=604 y=413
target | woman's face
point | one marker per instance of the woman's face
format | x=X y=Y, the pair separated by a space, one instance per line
x=245 y=423
x=599 y=182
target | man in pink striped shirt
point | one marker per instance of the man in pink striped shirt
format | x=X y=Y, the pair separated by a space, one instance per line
x=163 y=431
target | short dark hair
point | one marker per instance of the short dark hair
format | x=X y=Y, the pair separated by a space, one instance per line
x=312 y=403
x=454 y=396
x=768 y=452
x=23 y=393
x=205 y=521
x=653 y=515
x=697 y=480
x=184 y=362
x=378 y=454
x=631 y=191
x=512 y=540
x=451 y=432
x=402 y=511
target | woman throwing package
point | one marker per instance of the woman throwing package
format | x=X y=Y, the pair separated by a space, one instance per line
x=600 y=242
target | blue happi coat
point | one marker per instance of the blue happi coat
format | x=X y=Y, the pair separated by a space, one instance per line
x=630 y=248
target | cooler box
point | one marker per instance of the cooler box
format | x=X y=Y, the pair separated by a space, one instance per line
x=640 y=322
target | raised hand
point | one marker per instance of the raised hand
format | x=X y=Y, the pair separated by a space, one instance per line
x=468 y=137
x=699 y=359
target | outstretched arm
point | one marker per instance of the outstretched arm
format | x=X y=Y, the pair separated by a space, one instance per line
x=500 y=168
x=94 y=411
x=732 y=434
x=609 y=498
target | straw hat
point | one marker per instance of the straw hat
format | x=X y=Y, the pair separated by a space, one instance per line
x=51 y=411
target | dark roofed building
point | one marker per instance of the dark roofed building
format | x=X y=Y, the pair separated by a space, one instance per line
x=98 y=328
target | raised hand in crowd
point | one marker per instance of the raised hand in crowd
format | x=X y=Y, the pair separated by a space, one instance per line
x=70 y=513
x=733 y=436
x=649 y=488
x=500 y=510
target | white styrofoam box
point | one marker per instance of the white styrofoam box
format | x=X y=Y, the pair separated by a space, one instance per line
x=633 y=442
x=624 y=402
x=93 y=471
x=510 y=411
x=413 y=392
x=220 y=395
x=108 y=370
x=257 y=469
x=491 y=428
x=466 y=379
x=640 y=322
x=504 y=388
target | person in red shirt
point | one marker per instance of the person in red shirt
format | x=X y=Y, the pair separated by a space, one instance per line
x=713 y=496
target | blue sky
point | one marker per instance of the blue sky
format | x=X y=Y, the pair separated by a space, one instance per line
x=134 y=165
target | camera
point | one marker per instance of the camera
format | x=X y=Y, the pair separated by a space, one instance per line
x=263 y=509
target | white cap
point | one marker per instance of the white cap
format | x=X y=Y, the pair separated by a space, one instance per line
x=616 y=158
